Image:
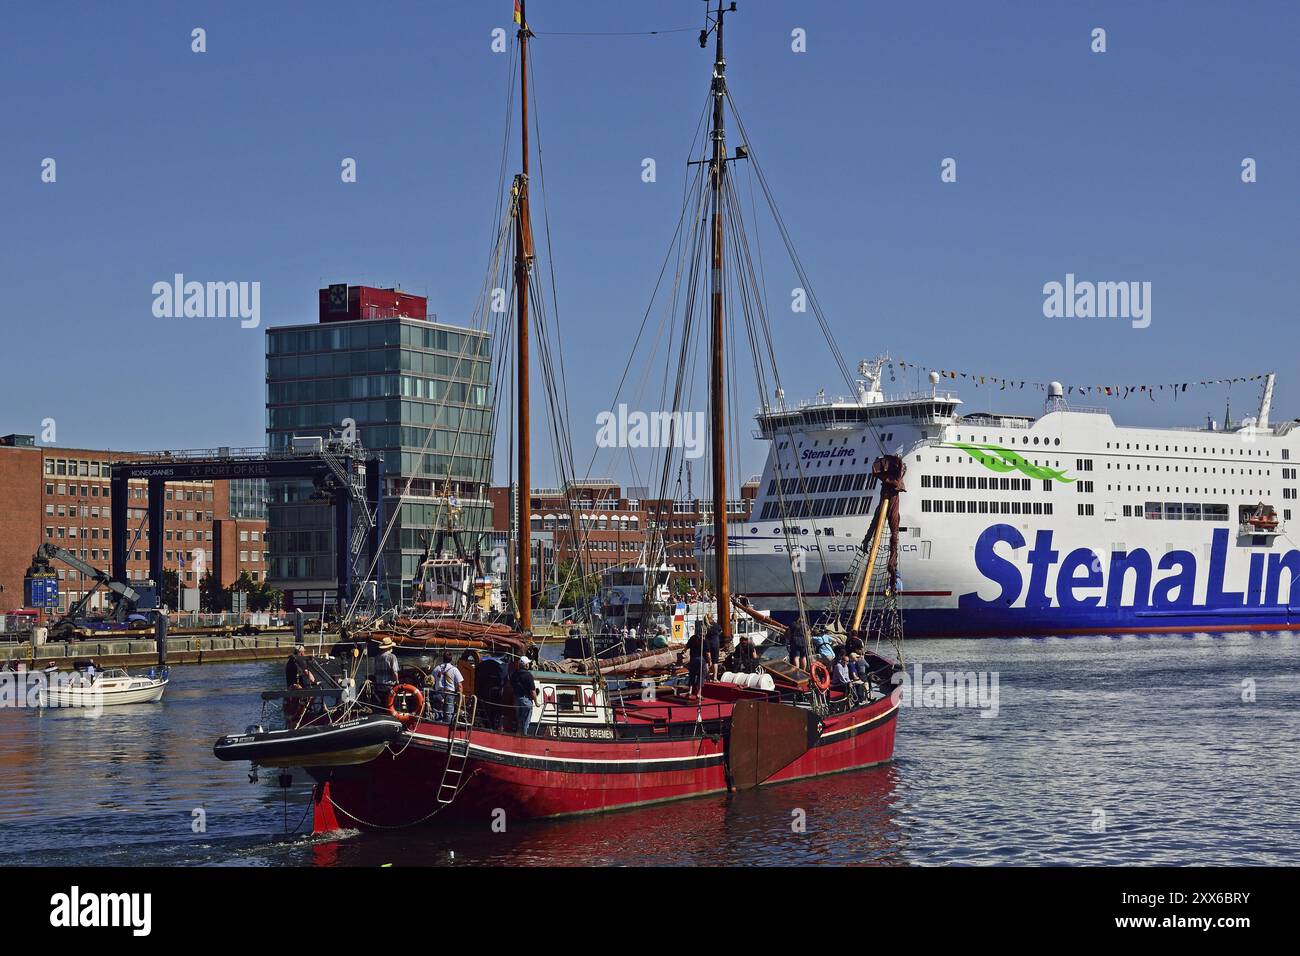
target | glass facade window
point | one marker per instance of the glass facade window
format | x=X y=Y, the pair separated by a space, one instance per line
x=395 y=380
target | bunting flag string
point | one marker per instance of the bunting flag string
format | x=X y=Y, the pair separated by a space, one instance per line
x=1111 y=391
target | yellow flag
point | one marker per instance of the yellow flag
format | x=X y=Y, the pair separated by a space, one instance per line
x=519 y=17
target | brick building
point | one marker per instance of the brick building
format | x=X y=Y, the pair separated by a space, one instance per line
x=613 y=526
x=677 y=520
x=61 y=495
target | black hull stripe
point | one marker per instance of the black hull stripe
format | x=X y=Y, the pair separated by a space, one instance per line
x=550 y=764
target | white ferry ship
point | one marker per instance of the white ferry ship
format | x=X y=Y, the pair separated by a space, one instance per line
x=1057 y=524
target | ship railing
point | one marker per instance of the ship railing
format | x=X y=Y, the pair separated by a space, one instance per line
x=996 y=421
x=885 y=398
x=1246 y=528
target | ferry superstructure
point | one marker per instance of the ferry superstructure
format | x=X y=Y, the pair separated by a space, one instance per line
x=1018 y=525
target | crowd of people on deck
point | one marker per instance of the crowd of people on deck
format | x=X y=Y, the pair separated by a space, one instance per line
x=509 y=687
x=500 y=687
x=847 y=663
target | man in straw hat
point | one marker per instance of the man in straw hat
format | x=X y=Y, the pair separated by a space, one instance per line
x=385 y=674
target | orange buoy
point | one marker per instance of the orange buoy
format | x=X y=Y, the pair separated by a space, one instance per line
x=405 y=716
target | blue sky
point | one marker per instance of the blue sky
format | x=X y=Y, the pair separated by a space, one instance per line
x=225 y=166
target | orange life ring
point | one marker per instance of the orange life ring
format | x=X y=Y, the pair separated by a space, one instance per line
x=403 y=716
x=821 y=675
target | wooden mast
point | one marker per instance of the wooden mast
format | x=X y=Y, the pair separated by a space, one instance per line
x=717 y=384
x=861 y=602
x=523 y=255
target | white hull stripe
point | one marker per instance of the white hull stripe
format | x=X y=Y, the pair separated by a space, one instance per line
x=442 y=741
x=571 y=760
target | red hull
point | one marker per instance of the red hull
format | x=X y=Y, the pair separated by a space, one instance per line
x=539 y=776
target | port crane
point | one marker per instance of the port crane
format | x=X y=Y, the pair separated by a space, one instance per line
x=126 y=599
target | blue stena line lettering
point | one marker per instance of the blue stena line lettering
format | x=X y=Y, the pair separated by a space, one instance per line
x=1169 y=584
x=812 y=454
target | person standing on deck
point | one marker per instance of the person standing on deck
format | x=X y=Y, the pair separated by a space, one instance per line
x=524 y=688
x=796 y=645
x=385 y=676
x=296 y=674
x=695 y=667
x=447 y=679
x=713 y=648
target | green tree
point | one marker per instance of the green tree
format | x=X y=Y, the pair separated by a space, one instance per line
x=213 y=598
x=261 y=596
x=577 y=590
x=168 y=587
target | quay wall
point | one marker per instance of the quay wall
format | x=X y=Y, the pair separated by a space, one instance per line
x=144 y=653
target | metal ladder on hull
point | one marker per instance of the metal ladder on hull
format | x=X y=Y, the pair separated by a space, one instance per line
x=453 y=774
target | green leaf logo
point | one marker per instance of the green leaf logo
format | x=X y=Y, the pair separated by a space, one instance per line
x=1003 y=460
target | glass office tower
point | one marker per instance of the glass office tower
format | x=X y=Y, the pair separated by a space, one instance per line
x=389 y=381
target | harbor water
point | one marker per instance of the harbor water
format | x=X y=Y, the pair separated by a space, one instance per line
x=1171 y=749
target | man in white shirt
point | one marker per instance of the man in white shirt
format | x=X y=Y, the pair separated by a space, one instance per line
x=447 y=679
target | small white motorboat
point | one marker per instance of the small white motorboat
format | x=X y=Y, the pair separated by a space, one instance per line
x=110 y=688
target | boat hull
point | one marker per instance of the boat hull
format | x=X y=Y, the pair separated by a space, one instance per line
x=537 y=777
x=941 y=594
x=90 y=697
x=327 y=745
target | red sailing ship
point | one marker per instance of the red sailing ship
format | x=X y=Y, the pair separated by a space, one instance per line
x=591 y=746
x=625 y=754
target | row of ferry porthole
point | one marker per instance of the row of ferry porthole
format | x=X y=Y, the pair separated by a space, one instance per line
x=1025 y=440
